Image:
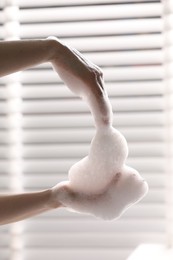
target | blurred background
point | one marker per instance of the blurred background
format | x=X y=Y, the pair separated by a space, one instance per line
x=44 y=128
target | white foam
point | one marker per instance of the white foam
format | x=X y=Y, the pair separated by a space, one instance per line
x=108 y=152
x=107 y=187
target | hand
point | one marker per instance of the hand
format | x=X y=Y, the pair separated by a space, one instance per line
x=80 y=74
x=83 y=78
x=94 y=204
x=125 y=189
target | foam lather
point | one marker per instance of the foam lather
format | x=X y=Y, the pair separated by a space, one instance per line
x=109 y=187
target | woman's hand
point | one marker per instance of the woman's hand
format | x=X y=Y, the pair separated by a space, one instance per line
x=125 y=189
x=79 y=74
x=63 y=195
x=83 y=78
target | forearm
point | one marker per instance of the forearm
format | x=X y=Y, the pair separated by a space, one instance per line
x=19 y=55
x=18 y=207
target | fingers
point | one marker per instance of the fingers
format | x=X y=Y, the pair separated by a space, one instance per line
x=91 y=66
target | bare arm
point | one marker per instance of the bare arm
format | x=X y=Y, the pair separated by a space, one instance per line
x=19 y=55
x=81 y=76
x=16 y=207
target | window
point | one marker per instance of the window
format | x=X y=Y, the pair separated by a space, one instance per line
x=44 y=128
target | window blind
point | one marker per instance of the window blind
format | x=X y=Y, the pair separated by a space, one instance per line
x=50 y=128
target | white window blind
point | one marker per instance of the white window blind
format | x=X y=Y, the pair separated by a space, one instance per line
x=44 y=128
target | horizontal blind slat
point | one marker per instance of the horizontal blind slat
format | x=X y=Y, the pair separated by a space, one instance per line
x=127 y=89
x=122 y=42
x=110 y=74
x=76 y=136
x=90 y=239
x=127 y=58
x=73 y=121
x=79 y=106
x=150 y=149
x=92 y=28
x=30 y=180
x=90 y=12
x=32 y=3
x=95 y=225
x=122 y=58
x=155 y=164
x=84 y=254
x=80 y=121
x=140 y=210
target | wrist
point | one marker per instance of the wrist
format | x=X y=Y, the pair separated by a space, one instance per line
x=55 y=48
x=56 y=195
x=49 y=199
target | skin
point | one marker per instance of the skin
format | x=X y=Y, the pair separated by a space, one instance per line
x=84 y=79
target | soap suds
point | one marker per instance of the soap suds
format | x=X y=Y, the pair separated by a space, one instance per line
x=108 y=187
